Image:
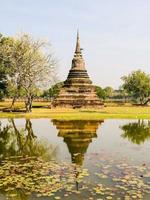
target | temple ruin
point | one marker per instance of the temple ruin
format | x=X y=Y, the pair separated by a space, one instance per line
x=78 y=91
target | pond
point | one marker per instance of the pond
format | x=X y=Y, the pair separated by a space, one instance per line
x=79 y=159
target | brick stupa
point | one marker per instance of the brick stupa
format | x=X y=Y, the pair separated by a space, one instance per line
x=78 y=91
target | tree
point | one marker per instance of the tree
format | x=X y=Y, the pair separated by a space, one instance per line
x=137 y=85
x=3 y=84
x=108 y=91
x=53 y=91
x=100 y=92
x=31 y=67
x=5 y=44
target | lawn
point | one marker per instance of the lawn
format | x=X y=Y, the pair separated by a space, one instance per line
x=41 y=110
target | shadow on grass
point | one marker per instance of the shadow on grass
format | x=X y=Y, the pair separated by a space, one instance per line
x=37 y=106
x=13 y=110
x=93 y=111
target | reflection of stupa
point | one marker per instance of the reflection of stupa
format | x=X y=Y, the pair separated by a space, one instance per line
x=77 y=135
x=78 y=91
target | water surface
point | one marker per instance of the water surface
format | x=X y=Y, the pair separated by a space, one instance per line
x=56 y=159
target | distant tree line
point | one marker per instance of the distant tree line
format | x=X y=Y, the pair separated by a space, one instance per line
x=135 y=87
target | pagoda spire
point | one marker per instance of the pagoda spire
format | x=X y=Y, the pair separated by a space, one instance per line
x=78 y=49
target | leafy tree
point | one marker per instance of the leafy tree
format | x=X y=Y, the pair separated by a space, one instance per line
x=3 y=84
x=137 y=85
x=31 y=67
x=108 y=91
x=53 y=91
x=5 y=44
x=100 y=92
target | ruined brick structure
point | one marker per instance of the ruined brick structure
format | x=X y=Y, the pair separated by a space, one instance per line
x=78 y=91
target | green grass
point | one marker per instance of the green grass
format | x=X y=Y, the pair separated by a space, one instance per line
x=40 y=110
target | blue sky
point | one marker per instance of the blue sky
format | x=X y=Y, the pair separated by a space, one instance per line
x=115 y=34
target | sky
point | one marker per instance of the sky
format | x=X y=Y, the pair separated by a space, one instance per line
x=114 y=34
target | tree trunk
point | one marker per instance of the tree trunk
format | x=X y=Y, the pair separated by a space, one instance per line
x=28 y=104
x=15 y=97
x=141 y=100
x=28 y=127
x=146 y=102
x=19 y=141
x=13 y=102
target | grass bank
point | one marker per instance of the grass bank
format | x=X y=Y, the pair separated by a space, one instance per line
x=40 y=110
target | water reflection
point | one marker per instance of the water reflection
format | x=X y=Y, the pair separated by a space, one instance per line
x=136 y=132
x=23 y=142
x=22 y=154
x=77 y=134
x=20 y=176
x=106 y=175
